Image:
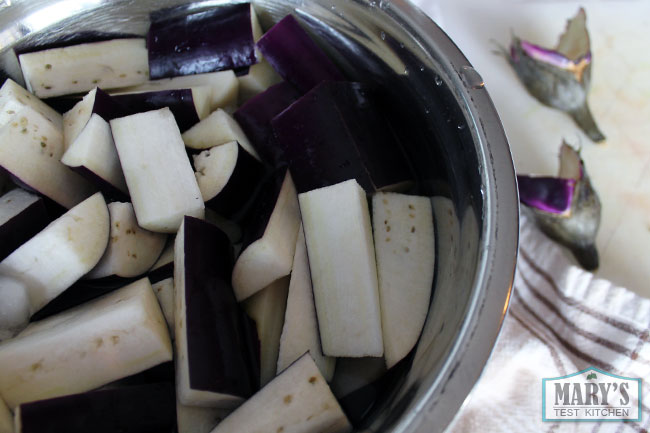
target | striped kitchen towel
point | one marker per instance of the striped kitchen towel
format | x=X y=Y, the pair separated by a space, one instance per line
x=562 y=320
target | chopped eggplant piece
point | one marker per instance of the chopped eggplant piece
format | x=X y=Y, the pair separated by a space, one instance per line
x=164 y=266
x=6 y=418
x=215 y=366
x=13 y=98
x=218 y=128
x=297 y=400
x=296 y=57
x=336 y=132
x=194 y=419
x=63 y=252
x=354 y=373
x=131 y=250
x=405 y=251
x=128 y=409
x=14 y=308
x=300 y=331
x=224 y=87
x=22 y=215
x=256 y=114
x=228 y=177
x=157 y=170
x=260 y=77
x=80 y=68
x=164 y=291
x=200 y=42
x=31 y=151
x=81 y=349
x=269 y=238
x=267 y=308
x=341 y=255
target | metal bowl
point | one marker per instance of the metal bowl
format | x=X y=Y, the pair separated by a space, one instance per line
x=452 y=135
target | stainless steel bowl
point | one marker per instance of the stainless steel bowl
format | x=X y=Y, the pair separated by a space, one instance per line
x=452 y=134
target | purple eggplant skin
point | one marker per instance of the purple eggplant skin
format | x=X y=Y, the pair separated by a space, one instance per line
x=296 y=57
x=161 y=373
x=218 y=343
x=70 y=39
x=130 y=409
x=109 y=192
x=107 y=106
x=22 y=227
x=256 y=114
x=550 y=194
x=62 y=104
x=334 y=133
x=180 y=102
x=207 y=41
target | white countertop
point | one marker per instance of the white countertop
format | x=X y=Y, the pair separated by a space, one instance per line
x=619 y=99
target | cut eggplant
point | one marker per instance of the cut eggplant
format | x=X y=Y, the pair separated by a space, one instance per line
x=193 y=419
x=341 y=255
x=81 y=349
x=267 y=308
x=164 y=291
x=215 y=366
x=22 y=215
x=298 y=400
x=218 y=128
x=404 y=245
x=14 y=308
x=228 y=177
x=260 y=77
x=187 y=105
x=157 y=170
x=255 y=117
x=164 y=266
x=224 y=87
x=128 y=409
x=65 y=250
x=269 y=238
x=6 y=419
x=80 y=68
x=354 y=373
x=200 y=42
x=300 y=331
x=296 y=57
x=31 y=151
x=13 y=98
x=336 y=132
x=132 y=250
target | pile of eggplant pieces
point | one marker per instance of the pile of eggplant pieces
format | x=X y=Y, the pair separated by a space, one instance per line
x=190 y=245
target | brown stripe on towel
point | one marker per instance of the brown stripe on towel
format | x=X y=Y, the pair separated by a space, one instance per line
x=554 y=353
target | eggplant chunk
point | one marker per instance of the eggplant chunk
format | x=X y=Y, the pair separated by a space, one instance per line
x=215 y=363
x=13 y=98
x=404 y=245
x=6 y=419
x=267 y=308
x=157 y=170
x=270 y=237
x=22 y=215
x=80 y=68
x=127 y=409
x=164 y=291
x=131 y=250
x=14 y=309
x=112 y=337
x=298 y=400
x=194 y=419
x=31 y=151
x=260 y=77
x=300 y=331
x=228 y=177
x=60 y=254
x=341 y=255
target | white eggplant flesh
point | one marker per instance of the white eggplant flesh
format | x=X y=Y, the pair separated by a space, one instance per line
x=6 y=419
x=223 y=85
x=131 y=250
x=271 y=256
x=300 y=331
x=94 y=149
x=13 y=203
x=298 y=401
x=260 y=77
x=81 y=349
x=14 y=307
x=164 y=291
x=214 y=167
x=31 y=150
x=355 y=373
x=80 y=68
x=157 y=170
x=267 y=308
x=166 y=257
x=405 y=251
x=194 y=419
x=75 y=119
x=13 y=98
x=218 y=128
x=341 y=254
x=60 y=254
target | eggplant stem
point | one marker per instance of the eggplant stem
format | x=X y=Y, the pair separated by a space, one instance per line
x=583 y=118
